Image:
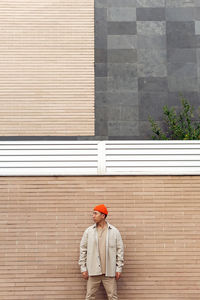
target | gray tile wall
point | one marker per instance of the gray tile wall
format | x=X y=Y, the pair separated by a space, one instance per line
x=147 y=52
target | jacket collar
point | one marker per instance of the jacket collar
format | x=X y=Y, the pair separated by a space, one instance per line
x=109 y=226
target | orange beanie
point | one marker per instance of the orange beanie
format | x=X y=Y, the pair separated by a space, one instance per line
x=101 y=208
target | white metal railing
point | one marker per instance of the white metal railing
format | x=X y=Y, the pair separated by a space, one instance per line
x=54 y=158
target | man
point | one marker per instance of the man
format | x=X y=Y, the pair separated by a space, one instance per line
x=101 y=255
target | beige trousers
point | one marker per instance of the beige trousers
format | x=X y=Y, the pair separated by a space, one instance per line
x=109 y=284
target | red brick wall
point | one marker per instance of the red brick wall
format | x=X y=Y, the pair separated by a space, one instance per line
x=43 y=218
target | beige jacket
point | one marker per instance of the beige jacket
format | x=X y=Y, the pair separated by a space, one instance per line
x=89 y=252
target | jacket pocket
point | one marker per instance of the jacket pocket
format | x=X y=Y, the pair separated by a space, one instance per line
x=112 y=243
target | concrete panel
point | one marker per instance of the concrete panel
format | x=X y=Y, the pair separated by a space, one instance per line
x=152 y=84
x=182 y=77
x=150 y=3
x=121 y=14
x=181 y=34
x=180 y=13
x=122 y=42
x=151 y=28
x=122 y=56
x=181 y=3
x=150 y=14
x=152 y=63
x=119 y=28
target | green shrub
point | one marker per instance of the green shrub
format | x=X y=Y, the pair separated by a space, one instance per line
x=180 y=126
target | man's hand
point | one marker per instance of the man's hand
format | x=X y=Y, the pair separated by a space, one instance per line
x=85 y=275
x=118 y=275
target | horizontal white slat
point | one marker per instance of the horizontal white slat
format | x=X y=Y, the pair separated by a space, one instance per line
x=49 y=147
x=153 y=163
x=47 y=171
x=153 y=142
x=49 y=158
x=59 y=142
x=152 y=146
x=152 y=171
x=152 y=157
x=48 y=152
x=45 y=164
x=152 y=151
x=158 y=157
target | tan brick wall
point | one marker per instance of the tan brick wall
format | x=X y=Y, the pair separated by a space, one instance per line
x=42 y=220
x=47 y=67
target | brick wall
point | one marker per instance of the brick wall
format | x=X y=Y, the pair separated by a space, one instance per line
x=43 y=218
x=47 y=68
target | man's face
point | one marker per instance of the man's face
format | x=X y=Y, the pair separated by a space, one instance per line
x=97 y=216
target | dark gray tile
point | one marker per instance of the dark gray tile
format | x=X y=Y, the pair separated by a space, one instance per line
x=122 y=83
x=152 y=63
x=151 y=104
x=153 y=84
x=151 y=42
x=122 y=128
x=181 y=34
x=122 y=77
x=182 y=77
x=180 y=14
x=100 y=70
x=122 y=3
x=198 y=57
x=119 y=28
x=129 y=113
x=198 y=67
x=100 y=83
x=92 y=138
x=130 y=137
x=197 y=41
x=150 y=14
x=197 y=13
x=122 y=41
x=129 y=128
x=101 y=121
x=114 y=112
x=100 y=3
x=175 y=99
x=122 y=98
x=181 y=55
x=122 y=56
x=145 y=131
x=117 y=69
x=101 y=28
x=192 y=97
x=113 y=128
x=100 y=15
x=101 y=38
x=100 y=55
x=100 y=98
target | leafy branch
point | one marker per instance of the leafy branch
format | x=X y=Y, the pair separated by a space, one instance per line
x=179 y=126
